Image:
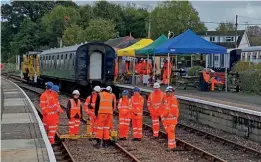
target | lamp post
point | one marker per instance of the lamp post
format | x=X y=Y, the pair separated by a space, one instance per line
x=169 y=36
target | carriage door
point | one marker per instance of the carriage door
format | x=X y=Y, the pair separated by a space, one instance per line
x=95 y=66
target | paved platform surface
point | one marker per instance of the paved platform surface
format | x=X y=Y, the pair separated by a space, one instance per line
x=23 y=136
x=245 y=101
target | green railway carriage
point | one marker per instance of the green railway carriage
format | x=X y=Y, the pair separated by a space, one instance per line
x=79 y=65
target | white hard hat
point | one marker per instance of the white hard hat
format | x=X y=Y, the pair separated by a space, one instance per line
x=108 y=88
x=97 y=88
x=156 y=85
x=76 y=92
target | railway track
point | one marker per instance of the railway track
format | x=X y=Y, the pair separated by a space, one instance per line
x=206 y=145
x=61 y=148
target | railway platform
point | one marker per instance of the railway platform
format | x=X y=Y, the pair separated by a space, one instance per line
x=23 y=134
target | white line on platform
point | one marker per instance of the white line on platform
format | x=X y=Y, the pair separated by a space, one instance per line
x=49 y=148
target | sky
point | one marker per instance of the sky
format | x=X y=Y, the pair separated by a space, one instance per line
x=249 y=12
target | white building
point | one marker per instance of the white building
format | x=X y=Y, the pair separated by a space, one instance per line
x=226 y=39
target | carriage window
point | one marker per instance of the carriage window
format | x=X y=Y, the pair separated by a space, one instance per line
x=57 y=61
x=62 y=62
x=71 y=55
x=65 y=56
x=73 y=59
x=53 y=61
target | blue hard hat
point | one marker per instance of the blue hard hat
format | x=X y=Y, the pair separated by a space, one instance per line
x=125 y=92
x=55 y=88
x=49 y=85
x=136 y=89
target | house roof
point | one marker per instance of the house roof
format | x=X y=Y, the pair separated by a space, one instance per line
x=240 y=34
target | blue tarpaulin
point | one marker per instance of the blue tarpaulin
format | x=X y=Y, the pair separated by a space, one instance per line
x=189 y=43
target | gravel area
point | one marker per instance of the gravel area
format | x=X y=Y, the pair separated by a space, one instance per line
x=234 y=138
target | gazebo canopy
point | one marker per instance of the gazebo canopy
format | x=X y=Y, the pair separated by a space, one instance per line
x=130 y=51
x=149 y=49
x=188 y=42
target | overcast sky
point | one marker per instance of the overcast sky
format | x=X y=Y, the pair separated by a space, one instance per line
x=212 y=11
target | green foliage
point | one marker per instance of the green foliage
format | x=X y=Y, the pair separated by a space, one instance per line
x=250 y=81
x=175 y=16
x=245 y=66
x=249 y=76
x=100 y=30
x=73 y=35
x=58 y=19
x=226 y=26
x=194 y=71
x=86 y=14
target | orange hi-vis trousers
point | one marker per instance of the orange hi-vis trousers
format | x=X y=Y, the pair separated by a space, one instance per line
x=171 y=136
x=92 y=123
x=74 y=125
x=51 y=122
x=137 y=128
x=155 y=125
x=103 y=124
x=124 y=123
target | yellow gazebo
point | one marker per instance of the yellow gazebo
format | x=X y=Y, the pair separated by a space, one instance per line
x=130 y=51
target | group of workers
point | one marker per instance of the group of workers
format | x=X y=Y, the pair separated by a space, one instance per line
x=101 y=104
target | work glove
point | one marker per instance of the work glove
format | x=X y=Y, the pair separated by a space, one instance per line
x=76 y=116
x=83 y=121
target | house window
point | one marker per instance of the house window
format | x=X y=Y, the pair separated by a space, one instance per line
x=229 y=39
x=215 y=58
x=212 y=39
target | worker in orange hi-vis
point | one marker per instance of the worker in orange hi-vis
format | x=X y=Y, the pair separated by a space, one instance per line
x=156 y=102
x=104 y=107
x=167 y=68
x=138 y=67
x=74 y=113
x=52 y=114
x=171 y=114
x=109 y=89
x=89 y=107
x=137 y=103
x=124 y=107
x=210 y=79
x=44 y=99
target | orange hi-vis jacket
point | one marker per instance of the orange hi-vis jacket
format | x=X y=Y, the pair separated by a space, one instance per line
x=156 y=102
x=55 y=95
x=75 y=108
x=206 y=76
x=171 y=112
x=44 y=99
x=106 y=101
x=90 y=101
x=137 y=103
x=124 y=107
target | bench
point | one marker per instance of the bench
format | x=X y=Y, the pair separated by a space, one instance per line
x=222 y=77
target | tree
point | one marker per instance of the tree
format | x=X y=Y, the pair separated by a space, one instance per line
x=110 y=11
x=254 y=35
x=86 y=14
x=7 y=33
x=226 y=26
x=18 y=11
x=58 y=19
x=73 y=35
x=100 y=30
x=27 y=39
x=175 y=16
x=135 y=21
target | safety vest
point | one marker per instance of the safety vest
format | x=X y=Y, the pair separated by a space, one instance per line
x=91 y=100
x=156 y=103
x=137 y=106
x=124 y=107
x=171 y=111
x=105 y=106
x=75 y=108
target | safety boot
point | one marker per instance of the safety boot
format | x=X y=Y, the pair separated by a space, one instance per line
x=105 y=143
x=98 y=144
